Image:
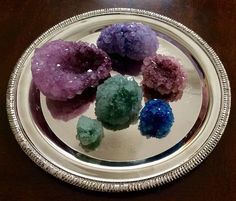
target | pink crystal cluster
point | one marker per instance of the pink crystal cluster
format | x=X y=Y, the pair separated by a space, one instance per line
x=164 y=75
x=62 y=69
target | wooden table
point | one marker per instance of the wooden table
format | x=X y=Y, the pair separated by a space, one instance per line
x=21 y=22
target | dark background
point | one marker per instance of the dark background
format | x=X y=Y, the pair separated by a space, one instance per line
x=21 y=22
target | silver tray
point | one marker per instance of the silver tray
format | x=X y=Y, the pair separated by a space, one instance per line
x=125 y=160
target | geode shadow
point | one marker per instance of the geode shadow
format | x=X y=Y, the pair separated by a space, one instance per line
x=149 y=93
x=125 y=65
x=121 y=126
x=67 y=110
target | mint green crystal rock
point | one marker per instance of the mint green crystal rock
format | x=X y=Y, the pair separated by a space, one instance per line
x=118 y=102
x=89 y=132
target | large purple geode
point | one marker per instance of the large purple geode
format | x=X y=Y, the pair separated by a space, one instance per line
x=62 y=69
x=133 y=40
x=164 y=75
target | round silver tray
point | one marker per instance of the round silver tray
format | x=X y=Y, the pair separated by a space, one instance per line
x=125 y=160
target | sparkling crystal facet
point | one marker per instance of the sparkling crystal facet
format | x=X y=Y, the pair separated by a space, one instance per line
x=62 y=69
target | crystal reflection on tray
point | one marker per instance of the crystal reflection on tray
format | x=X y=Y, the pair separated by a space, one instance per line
x=67 y=110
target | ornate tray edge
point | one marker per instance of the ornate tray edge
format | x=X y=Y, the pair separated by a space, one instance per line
x=183 y=169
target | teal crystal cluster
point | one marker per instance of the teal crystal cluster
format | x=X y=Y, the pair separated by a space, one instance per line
x=89 y=132
x=118 y=102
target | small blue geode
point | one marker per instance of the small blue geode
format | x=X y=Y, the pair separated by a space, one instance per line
x=156 y=119
x=132 y=40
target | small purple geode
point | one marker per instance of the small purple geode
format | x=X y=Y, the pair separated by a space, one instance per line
x=164 y=75
x=133 y=40
x=62 y=69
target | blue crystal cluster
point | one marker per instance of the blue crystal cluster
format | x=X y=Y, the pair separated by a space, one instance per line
x=156 y=119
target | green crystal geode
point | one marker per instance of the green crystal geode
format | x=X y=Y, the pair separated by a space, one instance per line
x=118 y=101
x=89 y=132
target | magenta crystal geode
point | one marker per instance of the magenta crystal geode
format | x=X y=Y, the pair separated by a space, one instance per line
x=164 y=75
x=62 y=69
x=133 y=40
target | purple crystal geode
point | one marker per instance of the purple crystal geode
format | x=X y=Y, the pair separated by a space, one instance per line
x=164 y=75
x=62 y=69
x=133 y=40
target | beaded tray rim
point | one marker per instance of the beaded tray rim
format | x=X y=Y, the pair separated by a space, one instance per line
x=86 y=183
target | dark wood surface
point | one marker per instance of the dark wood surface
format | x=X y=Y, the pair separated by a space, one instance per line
x=21 y=22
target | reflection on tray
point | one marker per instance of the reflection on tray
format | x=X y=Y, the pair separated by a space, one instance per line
x=125 y=66
x=66 y=110
x=152 y=94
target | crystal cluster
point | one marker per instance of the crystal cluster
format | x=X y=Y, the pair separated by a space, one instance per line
x=133 y=40
x=89 y=132
x=165 y=75
x=62 y=69
x=118 y=101
x=156 y=119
